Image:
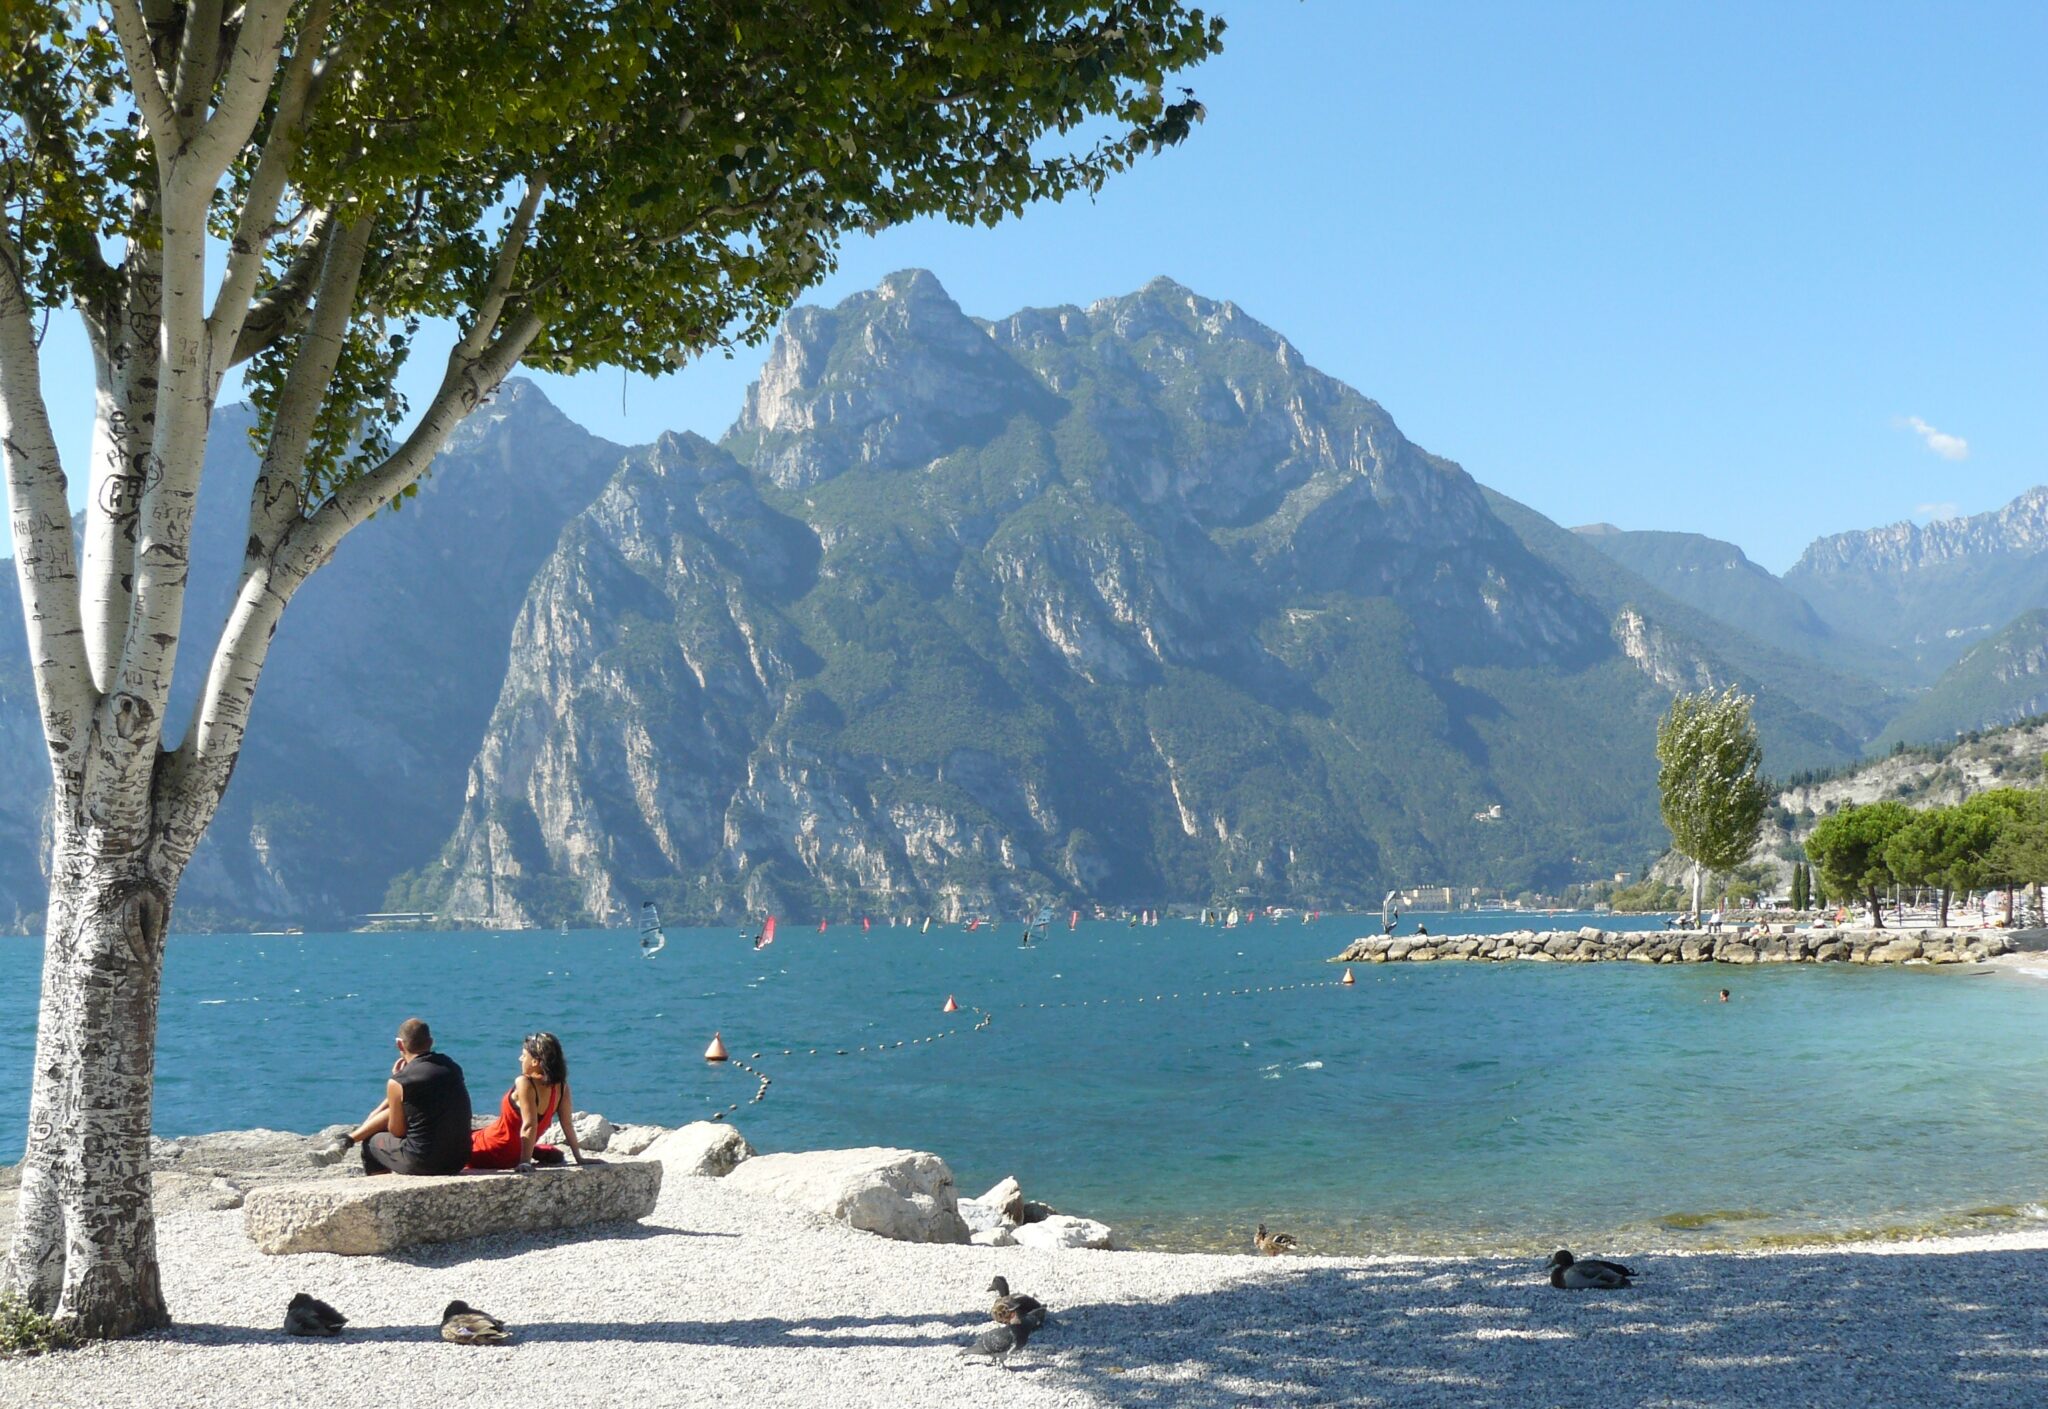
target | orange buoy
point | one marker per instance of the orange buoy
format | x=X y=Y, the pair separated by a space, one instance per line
x=1347 y=980
x=716 y=1051
x=951 y=1006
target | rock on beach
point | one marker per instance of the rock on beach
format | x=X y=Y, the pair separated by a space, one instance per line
x=907 y=1195
x=1775 y=944
x=362 y=1216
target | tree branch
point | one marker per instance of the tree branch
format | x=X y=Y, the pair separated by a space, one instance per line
x=198 y=771
x=126 y=356
x=148 y=85
x=492 y=305
x=274 y=502
x=282 y=309
x=244 y=89
x=197 y=68
x=41 y=519
x=231 y=306
x=463 y=388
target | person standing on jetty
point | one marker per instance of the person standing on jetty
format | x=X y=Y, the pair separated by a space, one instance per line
x=423 y=1125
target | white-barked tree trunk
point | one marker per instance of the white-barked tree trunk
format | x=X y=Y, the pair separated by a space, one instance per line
x=105 y=626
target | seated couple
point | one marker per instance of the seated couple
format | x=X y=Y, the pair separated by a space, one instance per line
x=422 y=1127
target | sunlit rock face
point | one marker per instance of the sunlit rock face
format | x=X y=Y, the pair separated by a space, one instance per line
x=1121 y=603
x=1114 y=603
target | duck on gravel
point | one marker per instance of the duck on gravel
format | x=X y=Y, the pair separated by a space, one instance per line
x=310 y=1316
x=1574 y=1274
x=463 y=1324
x=1012 y=1307
x=1272 y=1244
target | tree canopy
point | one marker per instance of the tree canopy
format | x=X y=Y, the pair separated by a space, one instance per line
x=568 y=183
x=1849 y=846
x=1945 y=847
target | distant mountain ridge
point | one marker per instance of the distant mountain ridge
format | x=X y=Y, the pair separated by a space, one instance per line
x=1934 y=590
x=1123 y=603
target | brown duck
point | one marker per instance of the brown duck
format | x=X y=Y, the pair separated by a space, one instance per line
x=1272 y=1244
x=463 y=1324
x=1011 y=1308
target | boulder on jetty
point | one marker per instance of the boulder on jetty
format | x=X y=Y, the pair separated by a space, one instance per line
x=703 y=1149
x=358 y=1217
x=907 y=1195
x=1770 y=944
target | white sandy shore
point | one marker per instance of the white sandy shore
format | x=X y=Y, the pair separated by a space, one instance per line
x=725 y=1299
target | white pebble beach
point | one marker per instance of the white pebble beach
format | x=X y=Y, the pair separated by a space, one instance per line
x=724 y=1298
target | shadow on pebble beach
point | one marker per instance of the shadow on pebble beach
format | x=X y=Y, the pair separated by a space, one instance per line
x=1951 y=1330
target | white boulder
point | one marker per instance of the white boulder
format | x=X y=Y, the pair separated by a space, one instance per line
x=593 y=1132
x=980 y=1217
x=633 y=1139
x=1062 y=1231
x=903 y=1194
x=1007 y=1199
x=1000 y=1237
x=703 y=1149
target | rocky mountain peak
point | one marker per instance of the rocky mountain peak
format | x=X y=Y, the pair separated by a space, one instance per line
x=887 y=379
x=690 y=458
x=519 y=407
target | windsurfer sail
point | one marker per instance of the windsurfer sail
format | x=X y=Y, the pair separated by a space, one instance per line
x=766 y=936
x=1036 y=926
x=652 y=939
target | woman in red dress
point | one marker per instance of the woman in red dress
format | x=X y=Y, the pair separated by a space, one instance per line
x=540 y=1093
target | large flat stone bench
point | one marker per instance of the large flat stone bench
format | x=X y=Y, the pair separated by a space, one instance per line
x=364 y=1216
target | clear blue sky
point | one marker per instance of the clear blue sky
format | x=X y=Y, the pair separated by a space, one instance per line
x=1671 y=266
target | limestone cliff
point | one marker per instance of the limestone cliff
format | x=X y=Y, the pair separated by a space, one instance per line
x=1118 y=602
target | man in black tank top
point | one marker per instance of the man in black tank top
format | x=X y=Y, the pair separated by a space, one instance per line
x=423 y=1125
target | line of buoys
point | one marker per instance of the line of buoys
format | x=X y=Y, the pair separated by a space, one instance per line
x=1216 y=993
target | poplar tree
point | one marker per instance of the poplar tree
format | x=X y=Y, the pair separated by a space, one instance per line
x=288 y=190
x=1710 y=781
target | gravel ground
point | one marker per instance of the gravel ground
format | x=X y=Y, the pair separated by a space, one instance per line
x=723 y=1299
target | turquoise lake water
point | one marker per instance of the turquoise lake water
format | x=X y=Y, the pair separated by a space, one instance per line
x=1430 y=1107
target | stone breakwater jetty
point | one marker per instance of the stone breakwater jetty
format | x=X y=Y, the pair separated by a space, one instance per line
x=1778 y=944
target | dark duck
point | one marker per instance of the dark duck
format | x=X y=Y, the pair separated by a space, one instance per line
x=1573 y=1274
x=310 y=1316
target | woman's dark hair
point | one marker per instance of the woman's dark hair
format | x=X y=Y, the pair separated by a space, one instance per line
x=546 y=1049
